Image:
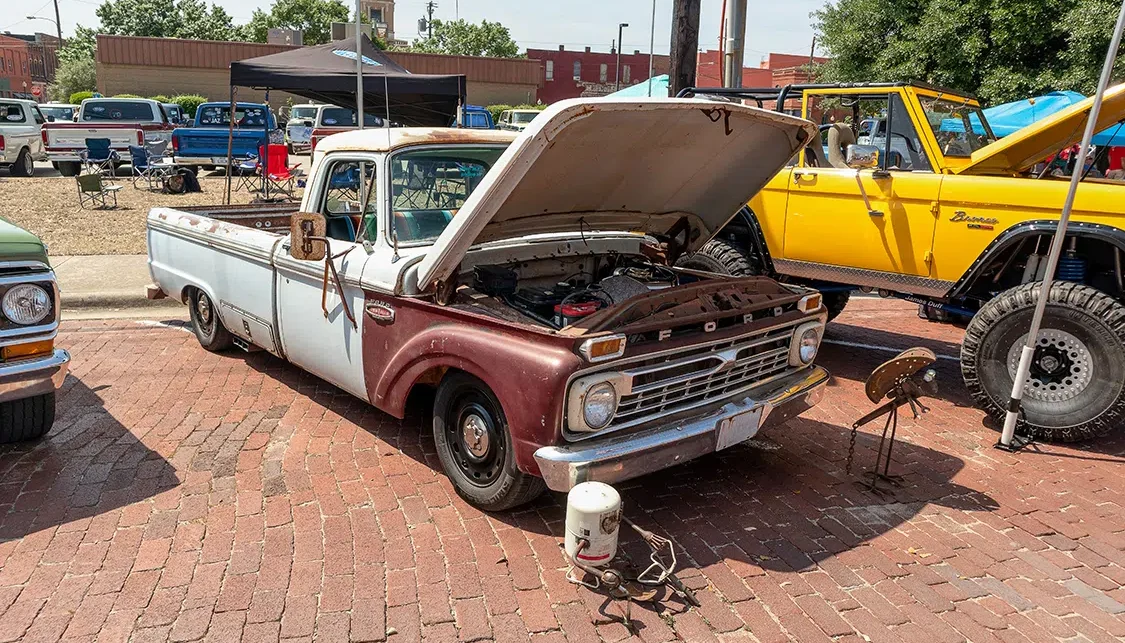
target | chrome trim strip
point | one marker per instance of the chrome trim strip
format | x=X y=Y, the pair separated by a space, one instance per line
x=26 y=339
x=896 y=282
x=36 y=265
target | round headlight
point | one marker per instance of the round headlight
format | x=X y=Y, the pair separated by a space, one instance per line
x=599 y=406
x=26 y=304
x=810 y=343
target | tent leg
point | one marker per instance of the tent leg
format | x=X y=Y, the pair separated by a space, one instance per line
x=230 y=141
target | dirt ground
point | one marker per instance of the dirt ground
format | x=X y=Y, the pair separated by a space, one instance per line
x=48 y=206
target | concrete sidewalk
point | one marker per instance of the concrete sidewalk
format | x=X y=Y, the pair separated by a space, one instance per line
x=105 y=282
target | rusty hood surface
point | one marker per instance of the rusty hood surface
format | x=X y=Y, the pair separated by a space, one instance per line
x=663 y=167
x=1019 y=151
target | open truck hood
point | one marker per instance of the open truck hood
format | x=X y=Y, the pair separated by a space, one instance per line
x=1019 y=151
x=665 y=167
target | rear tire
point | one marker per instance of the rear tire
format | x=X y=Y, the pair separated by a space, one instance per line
x=68 y=168
x=721 y=257
x=474 y=445
x=24 y=165
x=1076 y=385
x=205 y=321
x=26 y=419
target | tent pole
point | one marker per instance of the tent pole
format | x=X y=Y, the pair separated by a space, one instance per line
x=230 y=141
x=1012 y=418
x=358 y=66
x=266 y=167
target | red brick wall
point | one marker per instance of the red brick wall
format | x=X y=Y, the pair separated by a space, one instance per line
x=15 y=68
x=562 y=84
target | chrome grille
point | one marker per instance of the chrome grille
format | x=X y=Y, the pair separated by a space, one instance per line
x=702 y=374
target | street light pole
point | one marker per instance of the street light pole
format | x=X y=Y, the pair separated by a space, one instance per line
x=617 y=72
x=651 y=48
x=58 y=28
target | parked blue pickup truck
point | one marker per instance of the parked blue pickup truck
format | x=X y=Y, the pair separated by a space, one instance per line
x=205 y=143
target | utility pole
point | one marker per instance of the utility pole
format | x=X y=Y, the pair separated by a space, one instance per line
x=812 y=59
x=735 y=35
x=651 y=47
x=685 y=45
x=617 y=66
x=430 y=6
x=58 y=25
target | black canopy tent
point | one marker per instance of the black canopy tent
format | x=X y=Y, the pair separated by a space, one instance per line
x=327 y=73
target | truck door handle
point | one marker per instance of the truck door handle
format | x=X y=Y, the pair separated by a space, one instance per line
x=798 y=175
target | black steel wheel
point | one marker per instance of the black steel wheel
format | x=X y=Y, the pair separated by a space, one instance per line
x=475 y=447
x=1076 y=388
x=209 y=329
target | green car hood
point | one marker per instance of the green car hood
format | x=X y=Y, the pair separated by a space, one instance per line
x=17 y=244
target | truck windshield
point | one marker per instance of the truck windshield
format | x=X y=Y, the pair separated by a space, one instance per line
x=117 y=110
x=302 y=112
x=219 y=116
x=960 y=128
x=340 y=117
x=430 y=185
x=523 y=117
x=59 y=113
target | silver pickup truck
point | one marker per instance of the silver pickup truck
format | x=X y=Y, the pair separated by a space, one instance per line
x=531 y=279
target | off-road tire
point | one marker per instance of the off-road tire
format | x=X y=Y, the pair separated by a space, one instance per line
x=207 y=324
x=510 y=487
x=24 y=165
x=721 y=257
x=26 y=419
x=1093 y=317
x=68 y=168
x=835 y=302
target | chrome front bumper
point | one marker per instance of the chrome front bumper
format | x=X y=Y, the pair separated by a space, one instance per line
x=25 y=378
x=618 y=458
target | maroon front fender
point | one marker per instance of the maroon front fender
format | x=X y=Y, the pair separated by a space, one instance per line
x=525 y=369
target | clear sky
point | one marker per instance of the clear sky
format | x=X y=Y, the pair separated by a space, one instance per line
x=782 y=26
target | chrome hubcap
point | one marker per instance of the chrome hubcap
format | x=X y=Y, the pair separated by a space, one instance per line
x=1060 y=370
x=474 y=432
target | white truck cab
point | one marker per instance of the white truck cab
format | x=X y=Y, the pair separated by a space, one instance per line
x=20 y=141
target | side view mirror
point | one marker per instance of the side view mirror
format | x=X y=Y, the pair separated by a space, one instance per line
x=307 y=235
x=50 y=119
x=862 y=157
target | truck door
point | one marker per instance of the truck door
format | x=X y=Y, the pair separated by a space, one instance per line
x=870 y=220
x=329 y=344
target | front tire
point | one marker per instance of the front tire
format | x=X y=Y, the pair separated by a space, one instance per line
x=24 y=165
x=26 y=419
x=1075 y=391
x=205 y=321
x=835 y=302
x=475 y=446
x=68 y=168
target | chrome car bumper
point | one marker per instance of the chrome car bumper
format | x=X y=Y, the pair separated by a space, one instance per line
x=623 y=457
x=25 y=378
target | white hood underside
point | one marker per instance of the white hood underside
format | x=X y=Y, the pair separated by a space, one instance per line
x=638 y=165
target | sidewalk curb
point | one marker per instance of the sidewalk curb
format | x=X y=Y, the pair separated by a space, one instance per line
x=93 y=300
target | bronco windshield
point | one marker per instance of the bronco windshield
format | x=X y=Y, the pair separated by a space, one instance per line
x=523 y=117
x=430 y=185
x=960 y=128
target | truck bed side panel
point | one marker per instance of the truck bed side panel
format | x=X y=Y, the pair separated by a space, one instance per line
x=231 y=263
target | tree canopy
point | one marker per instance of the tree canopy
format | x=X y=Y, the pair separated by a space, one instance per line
x=167 y=19
x=313 y=17
x=462 y=38
x=1001 y=50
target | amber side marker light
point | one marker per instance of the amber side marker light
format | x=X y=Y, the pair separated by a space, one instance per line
x=809 y=303
x=602 y=348
x=31 y=349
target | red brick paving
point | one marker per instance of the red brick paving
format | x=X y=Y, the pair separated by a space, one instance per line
x=185 y=496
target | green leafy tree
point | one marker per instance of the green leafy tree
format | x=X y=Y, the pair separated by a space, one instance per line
x=313 y=17
x=167 y=19
x=1000 y=50
x=73 y=76
x=461 y=38
x=80 y=46
x=189 y=103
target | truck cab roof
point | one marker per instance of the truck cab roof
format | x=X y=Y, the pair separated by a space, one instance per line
x=389 y=139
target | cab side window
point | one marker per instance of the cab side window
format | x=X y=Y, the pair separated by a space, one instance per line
x=349 y=200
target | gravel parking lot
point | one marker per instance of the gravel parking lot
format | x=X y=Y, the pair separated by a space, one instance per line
x=47 y=205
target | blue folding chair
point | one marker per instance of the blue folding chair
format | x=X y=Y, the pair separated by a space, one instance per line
x=99 y=158
x=146 y=169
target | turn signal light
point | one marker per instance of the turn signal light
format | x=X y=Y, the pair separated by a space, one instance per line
x=600 y=349
x=809 y=303
x=31 y=349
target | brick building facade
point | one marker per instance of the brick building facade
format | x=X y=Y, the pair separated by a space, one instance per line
x=26 y=62
x=573 y=74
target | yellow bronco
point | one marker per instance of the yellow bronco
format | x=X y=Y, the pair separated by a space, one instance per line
x=943 y=214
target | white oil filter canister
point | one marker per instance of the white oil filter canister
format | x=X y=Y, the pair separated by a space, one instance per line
x=593 y=514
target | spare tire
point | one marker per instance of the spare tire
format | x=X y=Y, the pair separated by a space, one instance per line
x=722 y=257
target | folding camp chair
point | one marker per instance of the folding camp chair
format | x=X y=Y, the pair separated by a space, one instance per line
x=147 y=169
x=246 y=170
x=277 y=171
x=94 y=193
x=98 y=157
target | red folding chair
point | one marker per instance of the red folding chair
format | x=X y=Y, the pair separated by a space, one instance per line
x=279 y=175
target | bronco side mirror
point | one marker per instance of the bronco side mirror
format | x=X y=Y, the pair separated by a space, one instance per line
x=307 y=236
x=862 y=157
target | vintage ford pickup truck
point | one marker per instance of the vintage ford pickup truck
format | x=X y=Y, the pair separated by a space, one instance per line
x=528 y=277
